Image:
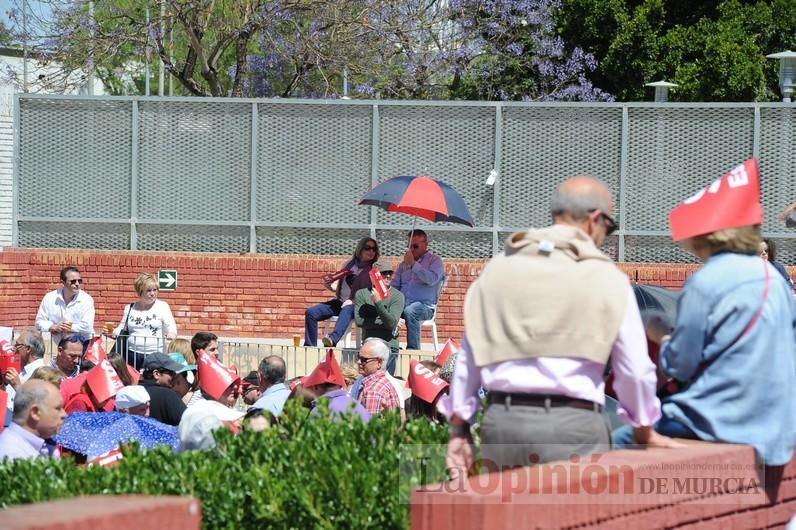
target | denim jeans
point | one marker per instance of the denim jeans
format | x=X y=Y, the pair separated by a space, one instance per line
x=414 y=314
x=316 y=313
x=622 y=438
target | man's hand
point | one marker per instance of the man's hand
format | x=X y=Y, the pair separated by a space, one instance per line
x=460 y=457
x=787 y=210
x=409 y=258
x=12 y=378
x=649 y=437
x=63 y=327
x=374 y=296
x=401 y=323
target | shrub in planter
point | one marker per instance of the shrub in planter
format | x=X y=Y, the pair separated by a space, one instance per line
x=306 y=472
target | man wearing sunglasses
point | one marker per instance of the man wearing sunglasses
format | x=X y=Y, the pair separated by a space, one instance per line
x=68 y=309
x=418 y=277
x=541 y=322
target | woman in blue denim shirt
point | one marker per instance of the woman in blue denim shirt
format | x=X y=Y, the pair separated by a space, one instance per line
x=733 y=349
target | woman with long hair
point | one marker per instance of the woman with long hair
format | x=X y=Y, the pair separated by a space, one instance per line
x=353 y=276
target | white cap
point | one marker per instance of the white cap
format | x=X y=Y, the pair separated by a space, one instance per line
x=131 y=396
x=200 y=420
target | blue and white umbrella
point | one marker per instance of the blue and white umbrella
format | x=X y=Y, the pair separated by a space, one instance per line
x=96 y=433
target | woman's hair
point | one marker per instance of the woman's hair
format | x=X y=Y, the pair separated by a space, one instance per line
x=143 y=282
x=772 y=249
x=49 y=374
x=431 y=365
x=120 y=365
x=182 y=346
x=361 y=245
x=350 y=373
x=744 y=239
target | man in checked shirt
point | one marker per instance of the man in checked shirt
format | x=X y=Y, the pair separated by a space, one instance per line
x=378 y=394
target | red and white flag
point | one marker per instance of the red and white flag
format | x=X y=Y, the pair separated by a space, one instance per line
x=731 y=201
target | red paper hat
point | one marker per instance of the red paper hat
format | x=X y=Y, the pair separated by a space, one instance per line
x=103 y=381
x=95 y=352
x=6 y=348
x=451 y=347
x=424 y=383
x=729 y=202
x=328 y=371
x=293 y=383
x=214 y=377
x=135 y=374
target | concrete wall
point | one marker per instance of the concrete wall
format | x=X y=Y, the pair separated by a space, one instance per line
x=6 y=175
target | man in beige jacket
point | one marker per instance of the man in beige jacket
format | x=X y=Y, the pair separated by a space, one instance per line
x=541 y=322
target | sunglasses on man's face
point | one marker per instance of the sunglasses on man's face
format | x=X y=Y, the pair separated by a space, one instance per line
x=369 y=247
x=76 y=281
x=366 y=360
x=608 y=221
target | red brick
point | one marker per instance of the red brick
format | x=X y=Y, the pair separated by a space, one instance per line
x=128 y=512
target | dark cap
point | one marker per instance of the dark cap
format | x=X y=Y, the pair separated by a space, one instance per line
x=253 y=379
x=161 y=361
x=383 y=266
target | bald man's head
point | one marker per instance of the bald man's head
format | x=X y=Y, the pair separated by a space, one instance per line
x=585 y=202
x=578 y=196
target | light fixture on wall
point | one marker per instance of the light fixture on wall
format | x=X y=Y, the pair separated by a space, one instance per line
x=787 y=72
x=661 y=90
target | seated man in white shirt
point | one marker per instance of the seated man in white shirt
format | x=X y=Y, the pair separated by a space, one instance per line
x=38 y=416
x=68 y=309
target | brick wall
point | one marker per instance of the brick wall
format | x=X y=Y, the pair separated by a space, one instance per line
x=122 y=512
x=249 y=295
x=703 y=486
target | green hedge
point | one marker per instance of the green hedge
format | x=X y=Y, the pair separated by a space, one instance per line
x=305 y=473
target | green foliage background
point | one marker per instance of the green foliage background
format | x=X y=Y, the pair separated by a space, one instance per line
x=714 y=50
x=305 y=473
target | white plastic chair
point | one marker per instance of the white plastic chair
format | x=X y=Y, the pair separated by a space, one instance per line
x=432 y=322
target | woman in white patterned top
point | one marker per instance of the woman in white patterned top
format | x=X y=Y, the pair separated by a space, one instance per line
x=149 y=322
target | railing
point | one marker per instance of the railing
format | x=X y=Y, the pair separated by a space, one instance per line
x=246 y=354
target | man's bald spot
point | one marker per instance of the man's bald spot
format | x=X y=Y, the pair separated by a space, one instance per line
x=577 y=195
x=585 y=186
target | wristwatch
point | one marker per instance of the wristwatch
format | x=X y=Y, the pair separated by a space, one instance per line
x=458 y=429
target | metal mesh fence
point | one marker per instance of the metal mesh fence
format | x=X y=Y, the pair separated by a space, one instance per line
x=284 y=176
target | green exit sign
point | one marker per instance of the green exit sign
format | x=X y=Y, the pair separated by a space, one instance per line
x=167 y=280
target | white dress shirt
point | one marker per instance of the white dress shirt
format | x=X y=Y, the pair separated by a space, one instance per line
x=54 y=310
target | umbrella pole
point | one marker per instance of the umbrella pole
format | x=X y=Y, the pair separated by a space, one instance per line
x=409 y=244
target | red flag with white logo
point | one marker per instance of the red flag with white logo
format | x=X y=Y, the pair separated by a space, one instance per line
x=731 y=201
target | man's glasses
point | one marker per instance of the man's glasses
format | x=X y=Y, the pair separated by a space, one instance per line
x=365 y=360
x=387 y=274
x=369 y=247
x=415 y=246
x=610 y=224
x=78 y=281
